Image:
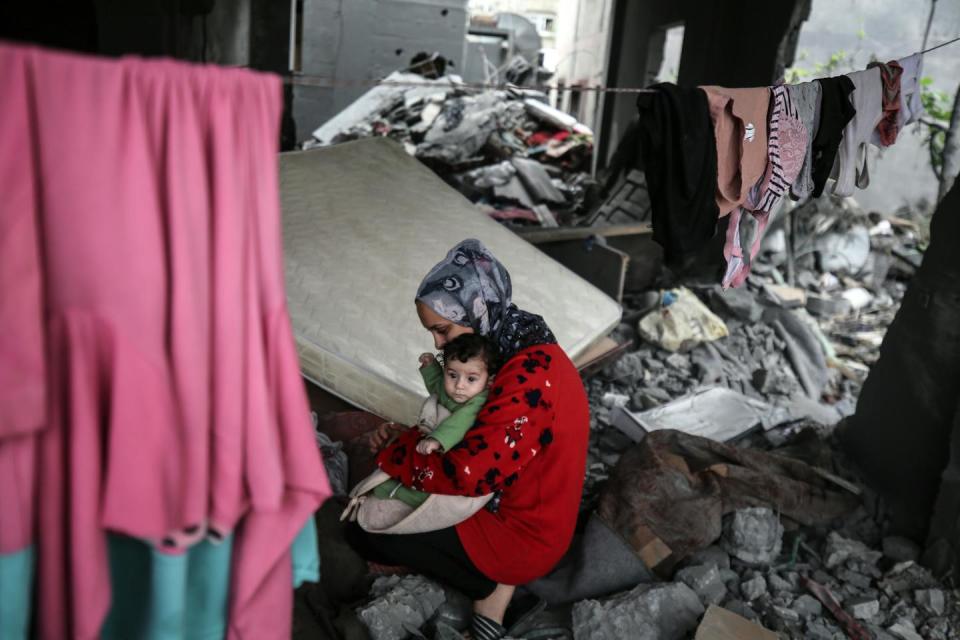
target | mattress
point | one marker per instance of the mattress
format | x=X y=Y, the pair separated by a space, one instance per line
x=363 y=222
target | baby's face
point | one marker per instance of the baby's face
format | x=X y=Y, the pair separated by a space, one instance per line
x=464 y=380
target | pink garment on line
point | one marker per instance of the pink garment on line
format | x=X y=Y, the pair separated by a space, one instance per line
x=171 y=396
x=740 y=127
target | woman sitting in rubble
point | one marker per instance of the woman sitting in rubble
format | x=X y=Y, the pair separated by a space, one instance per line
x=528 y=444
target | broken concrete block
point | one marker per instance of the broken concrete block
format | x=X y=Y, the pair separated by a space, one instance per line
x=721 y=624
x=840 y=549
x=854 y=578
x=753 y=588
x=900 y=549
x=904 y=630
x=863 y=608
x=628 y=369
x=648 y=612
x=400 y=603
x=611 y=400
x=930 y=599
x=753 y=535
x=807 y=606
x=705 y=581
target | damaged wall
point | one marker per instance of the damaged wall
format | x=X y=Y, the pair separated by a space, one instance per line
x=362 y=41
x=620 y=43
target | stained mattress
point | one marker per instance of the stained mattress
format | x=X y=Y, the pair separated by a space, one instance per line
x=362 y=223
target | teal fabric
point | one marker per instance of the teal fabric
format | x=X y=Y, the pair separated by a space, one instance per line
x=16 y=591
x=306 y=555
x=159 y=596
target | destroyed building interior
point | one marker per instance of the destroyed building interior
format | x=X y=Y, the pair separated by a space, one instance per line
x=223 y=230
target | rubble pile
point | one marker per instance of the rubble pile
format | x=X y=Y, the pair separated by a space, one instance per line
x=794 y=345
x=520 y=160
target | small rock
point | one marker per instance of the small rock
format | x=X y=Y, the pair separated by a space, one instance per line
x=931 y=599
x=742 y=609
x=863 y=608
x=807 y=606
x=858 y=580
x=900 y=549
x=840 y=549
x=709 y=555
x=611 y=400
x=679 y=361
x=785 y=614
x=753 y=535
x=753 y=588
x=777 y=583
x=705 y=581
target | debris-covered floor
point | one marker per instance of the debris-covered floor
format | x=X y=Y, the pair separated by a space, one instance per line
x=755 y=379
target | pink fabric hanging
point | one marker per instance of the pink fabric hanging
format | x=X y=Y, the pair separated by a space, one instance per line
x=163 y=395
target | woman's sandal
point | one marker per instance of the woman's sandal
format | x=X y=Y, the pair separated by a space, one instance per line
x=483 y=628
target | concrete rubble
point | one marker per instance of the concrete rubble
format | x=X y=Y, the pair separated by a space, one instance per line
x=648 y=612
x=804 y=357
x=518 y=159
x=400 y=604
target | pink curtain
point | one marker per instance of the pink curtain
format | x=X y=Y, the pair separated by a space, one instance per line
x=155 y=390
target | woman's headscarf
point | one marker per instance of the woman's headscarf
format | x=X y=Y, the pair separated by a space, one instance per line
x=472 y=288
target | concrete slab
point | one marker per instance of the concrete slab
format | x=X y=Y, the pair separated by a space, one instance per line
x=363 y=222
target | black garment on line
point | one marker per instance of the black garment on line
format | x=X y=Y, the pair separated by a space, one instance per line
x=436 y=554
x=836 y=111
x=680 y=162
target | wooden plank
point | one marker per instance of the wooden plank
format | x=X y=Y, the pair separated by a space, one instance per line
x=720 y=624
x=542 y=236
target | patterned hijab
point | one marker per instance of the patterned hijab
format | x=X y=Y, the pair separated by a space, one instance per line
x=471 y=288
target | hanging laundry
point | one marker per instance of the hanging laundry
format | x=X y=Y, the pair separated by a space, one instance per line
x=806 y=99
x=680 y=162
x=888 y=127
x=175 y=405
x=911 y=105
x=786 y=149
x=740 y=128
x=850 y=168
x=836 y=110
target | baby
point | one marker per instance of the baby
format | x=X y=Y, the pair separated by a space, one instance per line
x=458 y=390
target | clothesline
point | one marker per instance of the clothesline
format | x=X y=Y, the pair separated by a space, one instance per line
x=332 y=83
